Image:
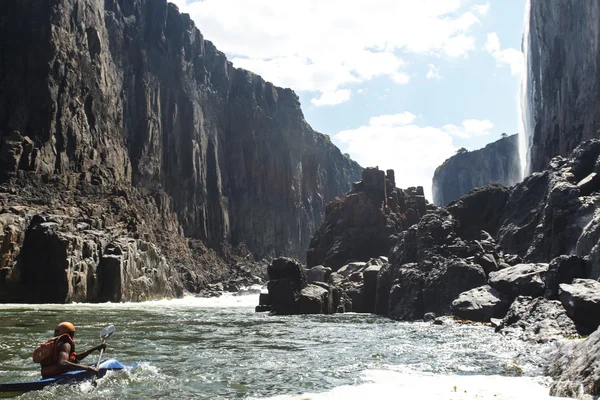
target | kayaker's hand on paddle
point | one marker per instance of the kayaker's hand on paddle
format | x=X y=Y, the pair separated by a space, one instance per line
x=93 y=370
x=101 y=346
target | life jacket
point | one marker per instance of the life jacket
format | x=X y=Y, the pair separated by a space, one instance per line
x=46 y=354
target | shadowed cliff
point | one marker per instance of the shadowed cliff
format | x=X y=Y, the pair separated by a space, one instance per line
x=99 y=95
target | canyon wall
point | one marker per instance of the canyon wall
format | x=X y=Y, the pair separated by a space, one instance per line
x=497 y=162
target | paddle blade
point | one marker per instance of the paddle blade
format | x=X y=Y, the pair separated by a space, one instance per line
x=107 y=332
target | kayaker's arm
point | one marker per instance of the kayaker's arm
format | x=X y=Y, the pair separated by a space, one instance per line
x=81 y=356
x=65 y=365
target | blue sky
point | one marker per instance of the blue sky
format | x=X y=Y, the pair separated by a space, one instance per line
x=397 y=84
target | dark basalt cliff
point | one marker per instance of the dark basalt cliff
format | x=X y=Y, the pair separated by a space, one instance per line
x=497 y=162
x=125 y=99
x=562 y=50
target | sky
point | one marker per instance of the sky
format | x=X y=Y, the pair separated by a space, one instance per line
x=397 y=84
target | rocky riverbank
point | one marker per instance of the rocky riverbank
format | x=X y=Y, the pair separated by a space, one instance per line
x=522 y=258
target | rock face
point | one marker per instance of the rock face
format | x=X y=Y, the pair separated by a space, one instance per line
x=562 y=50
x=539 y=320
x=576 y=368
x=546 y=215
x=481 y=304
x=366 y=222
x=581 y=299
x=128 y=93
x=497 y=162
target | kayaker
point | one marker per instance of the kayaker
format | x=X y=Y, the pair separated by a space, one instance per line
x=57 y=355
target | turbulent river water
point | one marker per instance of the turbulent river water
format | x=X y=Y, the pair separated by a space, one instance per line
x=221 y=349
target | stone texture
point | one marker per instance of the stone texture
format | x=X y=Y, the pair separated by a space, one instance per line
x=520 y=280
x=576 y=368
x=481 y=304
x=430 y=267
x=366 y=222
x=539 y=320
x=498 y=162
x=564 y=269
x=562 y=50
x=287 y=279
x=318 y=273
x=126 y=94
x=581 y=299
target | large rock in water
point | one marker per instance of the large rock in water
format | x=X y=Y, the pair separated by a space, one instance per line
x=562 y=57
x=481 y=304
x=126 y=94
x=576 y=368
x=498 y=162
x=287 y=279
x=581 y=299
x=539 y=320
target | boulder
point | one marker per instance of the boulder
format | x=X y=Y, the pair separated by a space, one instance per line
x=581 y=299
x=351 y=268
x=564 y=269
x=318 y=273
x=540 y=320
x=520 y=280
x=314 y=299
x=370 y=287
x=287 y=278
x=406 y=295
x=444 y=284
x=576 y=368
x=385 y=281
x=481 y=304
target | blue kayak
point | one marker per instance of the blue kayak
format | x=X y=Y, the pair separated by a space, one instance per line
x=66 y=378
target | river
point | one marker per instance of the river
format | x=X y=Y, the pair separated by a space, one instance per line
x=221 y=349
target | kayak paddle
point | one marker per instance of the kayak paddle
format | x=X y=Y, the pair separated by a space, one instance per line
x=104 y=335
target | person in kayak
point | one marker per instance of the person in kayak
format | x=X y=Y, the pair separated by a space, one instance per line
x=58 y=355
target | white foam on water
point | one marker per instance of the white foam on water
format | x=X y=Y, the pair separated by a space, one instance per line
x=245 y=298
x=381 y=385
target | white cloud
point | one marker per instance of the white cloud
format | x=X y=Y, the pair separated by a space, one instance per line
x=412 y=151
x=470 y=128
x=482 y=9
x=433 y=72
x=393 y=120
x=511 y=57
x=324 y=45
x=331 y=98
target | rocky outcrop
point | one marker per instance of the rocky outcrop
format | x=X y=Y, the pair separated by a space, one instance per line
x=576 y=368
x=581 y=299
x=562 y=50
x=431 y=266
x=498 y=162
x=481 y=304
x=126 y=94
x=366 y=222
x=539 y=320
x=520 y=280
x=546 y=215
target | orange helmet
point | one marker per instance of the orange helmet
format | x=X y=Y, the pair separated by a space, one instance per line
x=64 y=327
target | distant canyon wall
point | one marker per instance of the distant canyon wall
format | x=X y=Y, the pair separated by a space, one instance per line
x=497 y=162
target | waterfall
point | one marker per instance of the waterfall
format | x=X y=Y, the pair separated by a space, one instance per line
x=525 y=110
